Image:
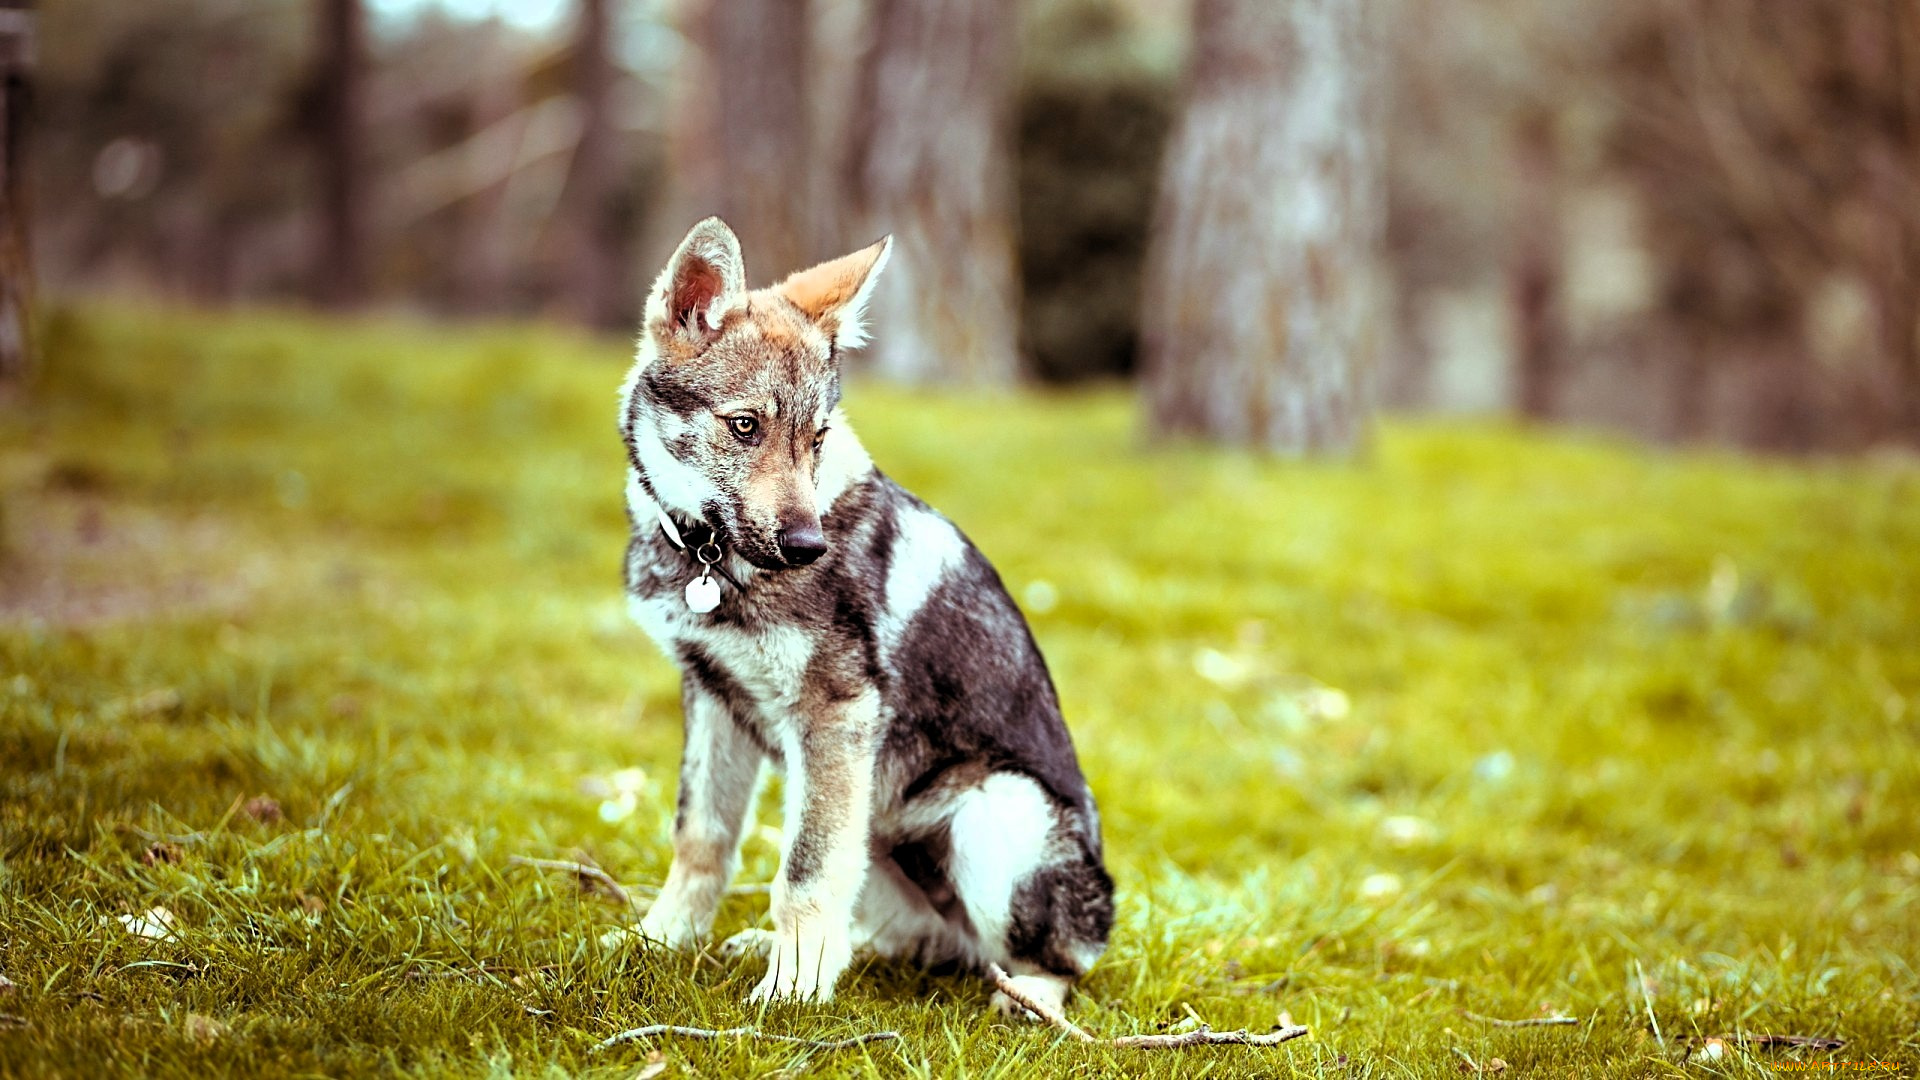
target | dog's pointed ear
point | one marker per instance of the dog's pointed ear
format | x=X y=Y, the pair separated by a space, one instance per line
x=703 y=282
x=835 y=293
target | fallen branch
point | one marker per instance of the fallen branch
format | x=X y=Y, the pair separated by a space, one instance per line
x=474 y=974
x=1206 y=1036
x=594 y=877
x=588 y=874
x=1818 y=1042
x=1200 y=1036
x=1005 y=984
x=1532 y=1021
x=653 y=1030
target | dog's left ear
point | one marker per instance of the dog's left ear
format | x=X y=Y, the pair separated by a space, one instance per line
x=835 y=293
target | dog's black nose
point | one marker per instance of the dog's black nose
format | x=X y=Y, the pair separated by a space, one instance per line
x=803 y=545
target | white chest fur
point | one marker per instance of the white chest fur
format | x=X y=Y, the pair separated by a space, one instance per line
x=768 y=663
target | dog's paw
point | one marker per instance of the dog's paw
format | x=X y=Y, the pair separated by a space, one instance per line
x=667 y=925
x=803 y=968
x=786 y=984
x=621 y=937
x=1048 y=990
x=748 y=944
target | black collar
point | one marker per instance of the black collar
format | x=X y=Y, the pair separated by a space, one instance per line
x=701 y=544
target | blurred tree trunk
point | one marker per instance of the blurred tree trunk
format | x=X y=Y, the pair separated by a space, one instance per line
x=589 y=254
x=16 y=251
x=342 y=274
x=479 y=241
x=756 y=156
x=1692 y=378
x=1260 y=313
x=1534 y=281
x=1893 y=183
x=1407 y=378
x=929 y=162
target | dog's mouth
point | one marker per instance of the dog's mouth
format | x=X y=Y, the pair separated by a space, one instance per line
x=772 y=564
x=768 y=554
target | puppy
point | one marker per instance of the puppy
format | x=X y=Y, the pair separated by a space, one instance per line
x=833 y=627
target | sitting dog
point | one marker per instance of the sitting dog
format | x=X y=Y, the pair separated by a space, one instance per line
x=835 y=628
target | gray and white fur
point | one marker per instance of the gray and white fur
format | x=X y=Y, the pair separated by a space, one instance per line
x=863 y=648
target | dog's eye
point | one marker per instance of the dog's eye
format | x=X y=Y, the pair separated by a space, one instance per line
x=743 y=426
x=819 y=437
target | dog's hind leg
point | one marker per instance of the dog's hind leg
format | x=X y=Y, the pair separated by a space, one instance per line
x=719 y=773
x=1039 y=901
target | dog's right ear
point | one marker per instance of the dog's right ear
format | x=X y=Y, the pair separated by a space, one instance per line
x=703 y=282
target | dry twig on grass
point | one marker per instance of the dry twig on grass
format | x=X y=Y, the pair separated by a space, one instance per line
x=1200 y=1036
x=1206 y=1036
x=590 y=877
x=652 y=1030
x=1004 y=983
x=476 y=973
x=1532 y=1021
x=1817 y=1042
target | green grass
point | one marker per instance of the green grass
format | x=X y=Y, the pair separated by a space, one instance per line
x=1491 y=722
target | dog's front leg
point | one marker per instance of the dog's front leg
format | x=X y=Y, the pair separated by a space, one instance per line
x=829 y=807
x=719 y=771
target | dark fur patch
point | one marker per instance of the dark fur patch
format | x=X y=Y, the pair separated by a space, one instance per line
x=969 y=684
x=1061 y=906
x=924 y=862
x=673 y=395
x=702 y=670
x=802 y=862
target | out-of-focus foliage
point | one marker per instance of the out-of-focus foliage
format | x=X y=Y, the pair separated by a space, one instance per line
x=168 y=145
x=175 y=152
x=1730 y=191
x=1096 y=103
x=1499 y=722
x=1776 y=148
x=1710 y=203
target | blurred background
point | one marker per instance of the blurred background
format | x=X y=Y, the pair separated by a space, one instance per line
x=311 y=318
x=1694 y=220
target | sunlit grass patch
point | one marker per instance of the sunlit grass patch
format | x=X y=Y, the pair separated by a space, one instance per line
x=1489 y=722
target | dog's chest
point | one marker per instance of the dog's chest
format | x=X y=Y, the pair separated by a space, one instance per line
x=767 y=663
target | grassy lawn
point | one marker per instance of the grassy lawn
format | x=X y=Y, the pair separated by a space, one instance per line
x=1491 y=723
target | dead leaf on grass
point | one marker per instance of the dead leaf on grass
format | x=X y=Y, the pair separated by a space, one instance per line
x=154 y=924
x=263 y=808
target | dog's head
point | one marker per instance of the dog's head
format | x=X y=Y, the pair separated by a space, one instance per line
x=732 y=411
